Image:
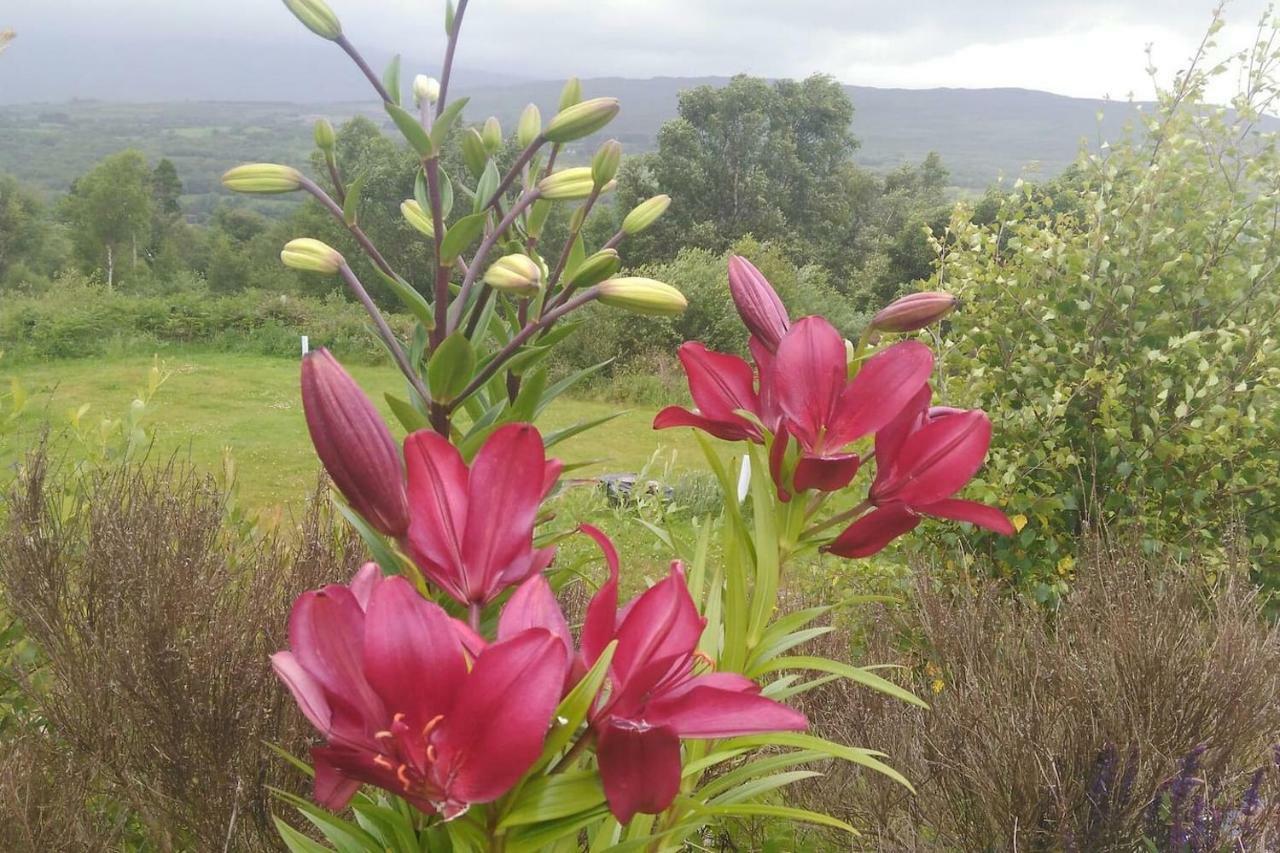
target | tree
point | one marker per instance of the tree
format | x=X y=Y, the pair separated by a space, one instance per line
x=21 y=225
x=166 y=188
x=110 y=211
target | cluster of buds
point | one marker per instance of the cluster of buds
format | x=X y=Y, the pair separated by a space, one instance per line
x=809 y=402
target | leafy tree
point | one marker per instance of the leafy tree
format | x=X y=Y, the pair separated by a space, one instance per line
x=1121 y=328
x=166 y=188
x=26 y=242
x=110 y=212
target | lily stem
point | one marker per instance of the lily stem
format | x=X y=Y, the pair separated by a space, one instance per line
x=839 y=518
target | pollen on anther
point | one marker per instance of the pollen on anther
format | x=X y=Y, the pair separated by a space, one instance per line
x=431 y=724
x=402 y=773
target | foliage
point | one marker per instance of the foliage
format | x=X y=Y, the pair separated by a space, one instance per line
x=1058 y=730
x=1121 y=326
x=109 y=211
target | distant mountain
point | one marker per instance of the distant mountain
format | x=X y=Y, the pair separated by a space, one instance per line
x=980 y=134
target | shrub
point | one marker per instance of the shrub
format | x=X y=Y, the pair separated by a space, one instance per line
x=153 y=611
x=1049 y=731
x=1121 y=329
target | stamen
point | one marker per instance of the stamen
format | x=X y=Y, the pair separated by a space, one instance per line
x=383 y=734
x=431 y=724
x=403 y=776
x=383 y=762
x=431 y=753
x=398 y=718
x=706 y=659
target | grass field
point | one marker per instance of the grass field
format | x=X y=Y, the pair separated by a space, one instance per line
x=250 y=405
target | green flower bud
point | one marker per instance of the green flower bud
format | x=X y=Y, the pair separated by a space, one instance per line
x=417 y=217
x=582 y=119
x=596 y=268
x=492 y=135
x=571 y=93
x=643 y=296
x=316 y=16
x=262 y=178
x=604 y=166
x=426 y=90
x=518 y=274
x=567 y=184
x=311 y=255
x=473 y=152
x=645 y=214
x=530 y=126
x=325 y=138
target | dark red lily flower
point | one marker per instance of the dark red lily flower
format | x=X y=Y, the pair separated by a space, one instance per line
x=661 y=690
x=720 y=385
x=471 y=528
x=354 y=444
x=758 y=305
x=825 y=411
x=923 y=457
x=383 y=674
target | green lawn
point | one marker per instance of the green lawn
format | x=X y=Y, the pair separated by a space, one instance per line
x=250 y=405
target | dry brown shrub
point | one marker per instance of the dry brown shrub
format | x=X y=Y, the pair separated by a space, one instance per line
x=1144 y=661
x=154 y=613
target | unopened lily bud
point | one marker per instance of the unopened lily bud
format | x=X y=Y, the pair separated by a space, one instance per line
x=596 y=268
x=426 y=90
x=758 y=305
x=325 y=138
x=519 y=274
x=567 y=184
x=913 y=311
x=643 y=296
x=530 y=125
x=316 y=16
x=582 y=119
x=311 y=255
x=604 y=166
x=262 y=178
x=571 y=93
x=354 y=444
x=417 y=217
x=473 y=151
x=645 y=214
x=492 y=135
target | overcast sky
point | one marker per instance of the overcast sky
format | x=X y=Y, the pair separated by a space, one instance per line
x=1088 y=48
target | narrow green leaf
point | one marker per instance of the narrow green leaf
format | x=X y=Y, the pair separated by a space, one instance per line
x=787 y=642
x=554 y=437
x=868 y=758
x=573 y=708
x=764 y=593
x=461 y=235
x=558 y=388
x=748 y=791
x=345 y=836
x=486 y=186
x=451 y=367
x=378 y=548
x=410 y=418
x=444 y=123
x=291 y=758
x=296 y=841
x=853 y=673
x=554 y=797
x=351 y=204
x=756 y=769
x=391 y=79
x=764 y=810
x=410 y=129
x=446 y=193
x=536 y=839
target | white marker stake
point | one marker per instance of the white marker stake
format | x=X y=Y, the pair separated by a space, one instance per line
x=306 y=345
x=744 y=478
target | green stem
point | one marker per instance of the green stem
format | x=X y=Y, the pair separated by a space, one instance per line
x=838 y=518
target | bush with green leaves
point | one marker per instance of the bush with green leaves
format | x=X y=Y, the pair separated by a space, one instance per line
x=1121 y=328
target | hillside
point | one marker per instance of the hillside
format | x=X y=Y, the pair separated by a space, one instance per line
x=980 y=134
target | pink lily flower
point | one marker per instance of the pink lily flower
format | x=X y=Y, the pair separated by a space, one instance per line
x=383 y=675
x=825 y=411
x=720 y=384
x=923 y=457
x=661 y=690
x=471 y=527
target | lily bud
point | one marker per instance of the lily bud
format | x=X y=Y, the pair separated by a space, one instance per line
x=913 y=312
x=473 y=151
x=324 y=135
x=492 y=135
x=262 y=178
x=604 y=166
x=426 y=90
x=417 y=217
x=519 y=274
x=758 y=305
x=316 y=16
x=596 y=268
x=530 y=126
x=354 y=444
x=645 y=214
x=311 y=255
x=643 y=296
x=582 y=119
x=567 y=184
x=571 y=93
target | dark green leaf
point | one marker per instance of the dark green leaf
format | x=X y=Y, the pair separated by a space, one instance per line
x=451 y=367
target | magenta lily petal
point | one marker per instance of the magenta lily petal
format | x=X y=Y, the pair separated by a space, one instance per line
x=873 y=531
x=720 y=385
x=488 y=740
x=887 y=382
x=405 y=636
x=640 y=768
x=662 y=622
x=889 y=438
x=534 y=605
x=811 y=362
x=306 y=691
x=712 y=712
x=826 y=473
x=326 y=635
x=438 y=509
x=936 y=460
x=972 y=512
x=672 y=417
x=364 y=583
x=758 y=305
x=600 y=623
x=332 y=789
